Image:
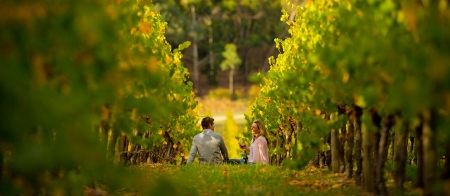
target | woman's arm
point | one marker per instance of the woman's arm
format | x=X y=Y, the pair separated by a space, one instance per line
x=262 y=151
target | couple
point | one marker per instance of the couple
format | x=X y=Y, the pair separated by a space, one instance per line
x=212 y=150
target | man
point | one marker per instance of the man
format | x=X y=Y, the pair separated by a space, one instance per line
x=209 y=145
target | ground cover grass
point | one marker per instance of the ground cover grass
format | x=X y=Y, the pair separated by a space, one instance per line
x=195 y=179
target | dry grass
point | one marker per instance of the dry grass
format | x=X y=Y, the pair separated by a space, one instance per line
x=219 y=107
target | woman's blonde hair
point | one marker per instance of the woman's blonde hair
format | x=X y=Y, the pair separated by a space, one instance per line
x=262 y=128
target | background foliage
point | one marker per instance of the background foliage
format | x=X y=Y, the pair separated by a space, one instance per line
x=76 y=75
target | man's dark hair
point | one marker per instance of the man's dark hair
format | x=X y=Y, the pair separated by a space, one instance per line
x=207 y=121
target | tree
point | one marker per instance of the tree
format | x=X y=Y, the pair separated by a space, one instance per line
x=335 y=150
x=231 y=61
x=250 y=25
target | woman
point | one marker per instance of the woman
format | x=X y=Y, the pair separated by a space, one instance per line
x=258 y=150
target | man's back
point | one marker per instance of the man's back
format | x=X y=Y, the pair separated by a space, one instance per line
x=210 y=147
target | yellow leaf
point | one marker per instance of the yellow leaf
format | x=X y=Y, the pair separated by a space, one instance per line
x=287 y=146
x=360 y=101
x=345 y=77
x=317 y=112
x=360 y=13
x=145 y=27
x=111 y=11
x=168 y=59
x=153 y=65
x=280 y=110
x=410 y=14
x=177 y=97
x=443 y=5
x=133 y=31
x=129 y=147
x=294 y=182
x=105 y=113
x=133 y=114
x=124 y=65
x=386 y=77
x=176 y=60
x=40 y=76
x=175 y=146
x=169 y=97
x=300 y=109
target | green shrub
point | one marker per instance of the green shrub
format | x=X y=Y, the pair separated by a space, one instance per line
x=410 y=172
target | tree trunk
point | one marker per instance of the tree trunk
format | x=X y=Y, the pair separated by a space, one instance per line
x=2 y=172
x=419 y=155
x=342 y=148
x=316 y=160
x=334 y=151
x=104 y=127
x=379 y=174
x=134 y=154
x=429 y=153
x=230 y=84
x=446 y=170
x=211 y=52
x=376 y=120
x=281 y=143
x=120 y=146
x=392 y=145
x=111 y=144
x=147 y=153
x=194 y=50
x=358 y=157
x=246 y=68
x=126 y=156
x=401 y=138
x=289 y=135
x=239 y=19
x=368 y=173
x=349 y=155
x=273 y=158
